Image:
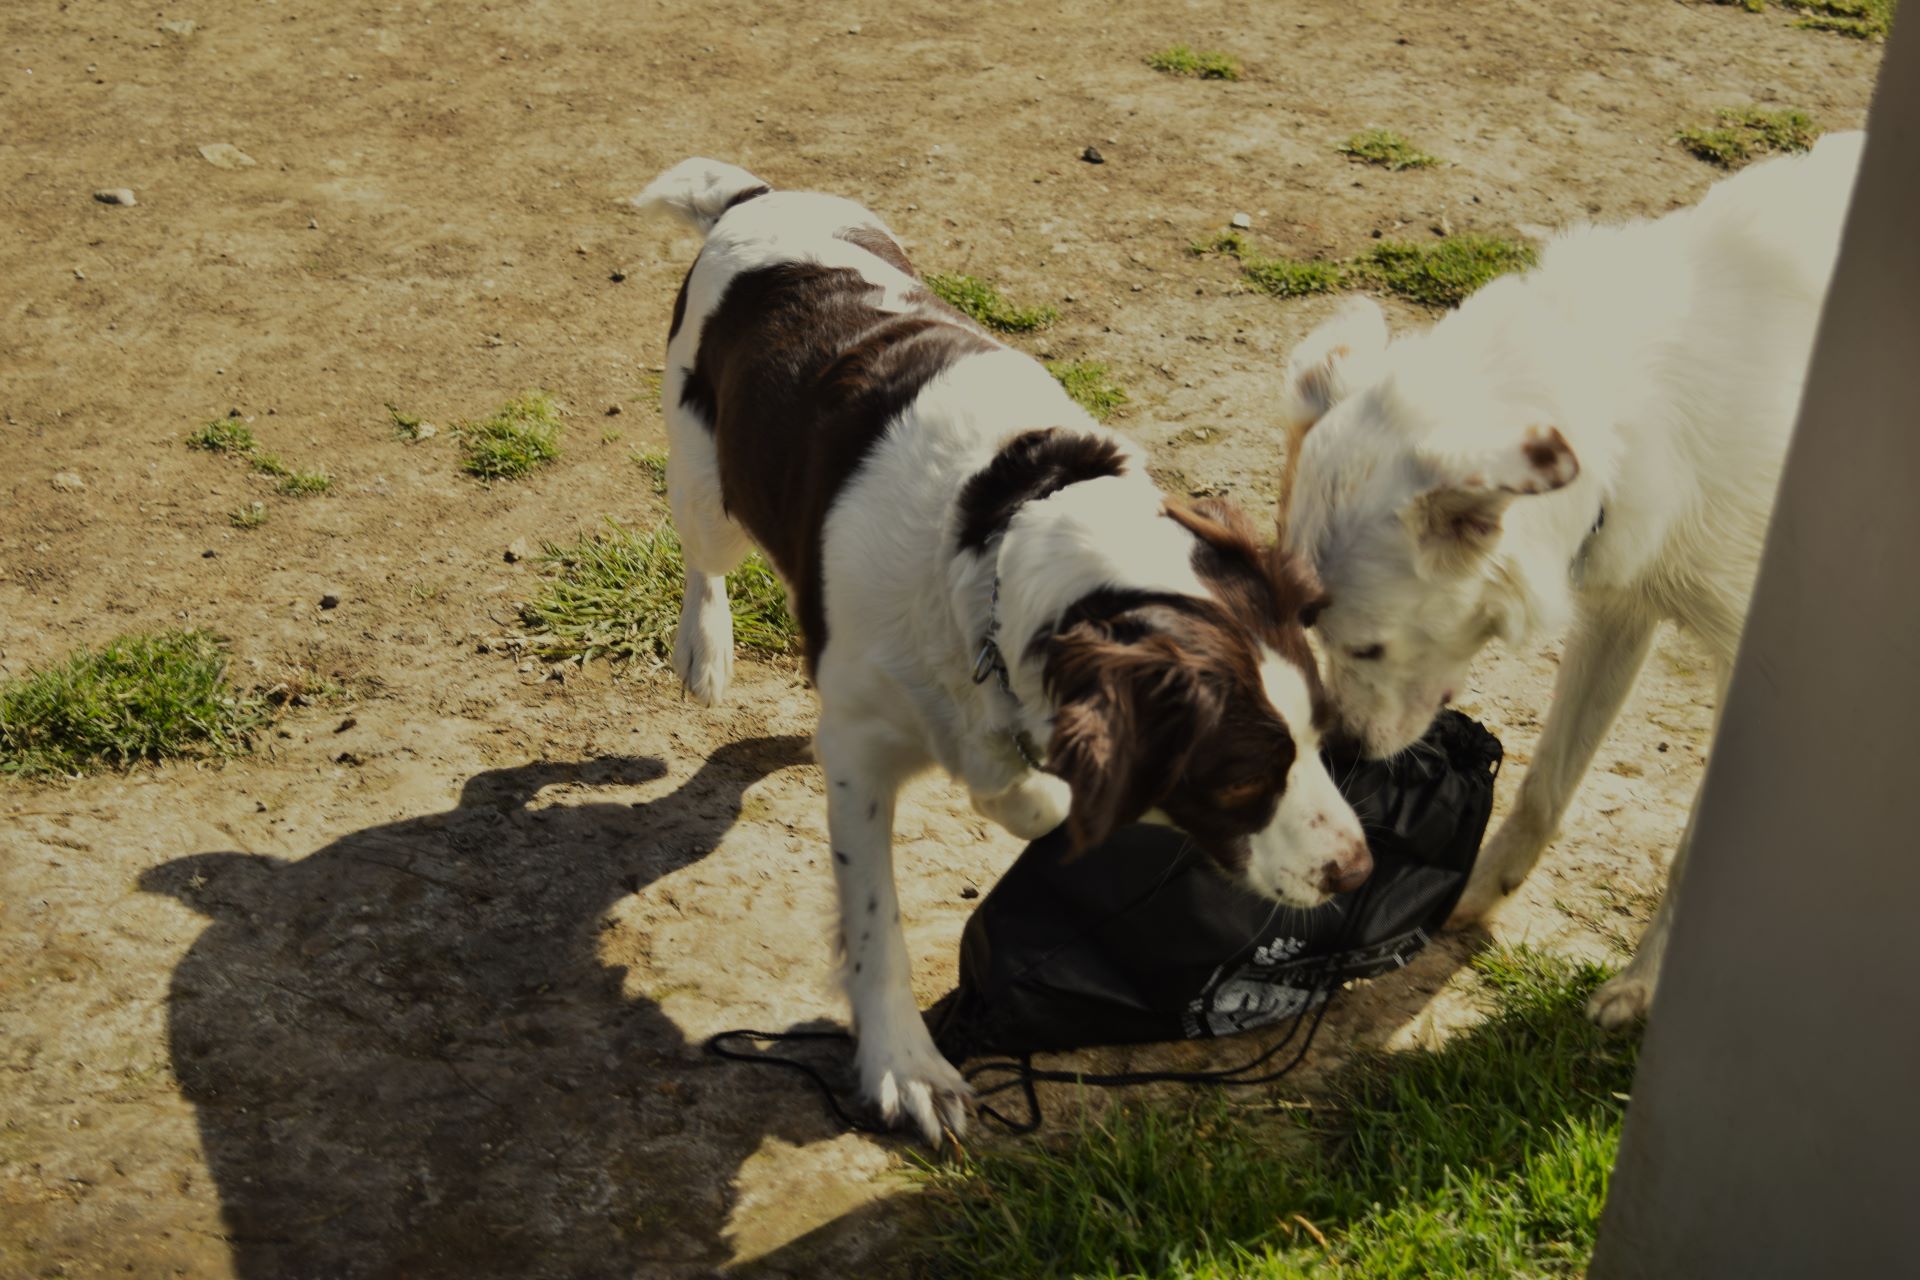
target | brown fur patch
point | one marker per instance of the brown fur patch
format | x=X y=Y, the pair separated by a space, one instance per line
x=1029 y=467
x=797 y=375
x=1267 y=591
x=1160 y=705
x=879 y=244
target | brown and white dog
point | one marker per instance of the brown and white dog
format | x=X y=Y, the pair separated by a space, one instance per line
x=977 y=568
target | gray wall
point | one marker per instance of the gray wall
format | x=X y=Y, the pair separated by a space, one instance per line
x=1775 y=1126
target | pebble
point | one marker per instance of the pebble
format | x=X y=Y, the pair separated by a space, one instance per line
x=346 y=724
x=616 y=276
x=1241 y=222
x=313 y=224
x=425 y=431
x=613 y=411
x=180 y=26
x=224 y=155
x=969 y=893
x=208 y=554
x=68 y=482
x=116 y=195
x=330 y=600
x=517 y=550
x=1092 y=156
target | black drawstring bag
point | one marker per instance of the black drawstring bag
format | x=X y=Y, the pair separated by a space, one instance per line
x=1141 y=940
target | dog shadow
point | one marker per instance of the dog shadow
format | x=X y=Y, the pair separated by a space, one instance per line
x=407 y=1059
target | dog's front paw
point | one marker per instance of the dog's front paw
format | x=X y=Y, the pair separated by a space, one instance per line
x=1622 y=1000
x=1030 y=808
x=1501 y=868
x=703 y=650
x=917 y=1085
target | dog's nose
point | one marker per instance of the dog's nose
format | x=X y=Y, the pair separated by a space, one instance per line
x=1348 y=871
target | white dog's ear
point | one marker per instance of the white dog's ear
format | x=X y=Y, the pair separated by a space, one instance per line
x=1457 y=521
x=1332 y=361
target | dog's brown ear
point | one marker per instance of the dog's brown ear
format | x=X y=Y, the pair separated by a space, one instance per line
x=1126 y=715
x=1458 y=520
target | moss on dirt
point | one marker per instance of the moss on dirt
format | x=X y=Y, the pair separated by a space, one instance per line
x=1386 y=148
x=1744 y=132
x=1185 y=60
x=985 y=305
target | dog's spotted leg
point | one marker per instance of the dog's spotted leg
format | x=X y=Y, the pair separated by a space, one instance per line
x=901 y=1072
x=1603 y=655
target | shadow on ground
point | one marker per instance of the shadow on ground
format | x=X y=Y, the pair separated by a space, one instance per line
x=407 y=1059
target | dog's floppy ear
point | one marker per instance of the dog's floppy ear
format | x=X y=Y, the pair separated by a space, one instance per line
x=1341 y=355
x=1126 y=715
x=1457 y=521
x=1344 y=353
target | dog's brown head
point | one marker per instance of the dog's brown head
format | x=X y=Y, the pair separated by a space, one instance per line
x=1205 y=710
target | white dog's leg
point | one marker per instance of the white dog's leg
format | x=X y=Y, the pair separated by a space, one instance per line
x=1627 y=996
x=1030 y=807
x=901 y=1072
x=713 y=545
x=1603 y=655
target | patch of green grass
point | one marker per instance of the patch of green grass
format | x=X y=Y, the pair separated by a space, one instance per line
x=654 y=467
x=1440 y=274
x=982 y=302
x=519 y=437
x=1443 y=273
x=1288 y=278
x=1745 y=131
x=617 y=596
x=224 y=435
x=1486 y=1157
x=405 y=425
x=300 y=484
x=1090 y=385
x=1385 y=147
x=230 y=435
x=1861 y=19
x=1184 y=60
x=251 y=516
x=1230 y=243
x=144 y=696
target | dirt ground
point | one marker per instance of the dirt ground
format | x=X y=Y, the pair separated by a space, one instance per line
x=418 y=988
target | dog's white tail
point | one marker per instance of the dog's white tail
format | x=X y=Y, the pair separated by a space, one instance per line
x=698 y=191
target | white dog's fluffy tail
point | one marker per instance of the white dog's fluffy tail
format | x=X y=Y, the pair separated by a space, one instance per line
x=698 y=191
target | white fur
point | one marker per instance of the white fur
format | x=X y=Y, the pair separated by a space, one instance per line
x=1669 y=356
x=906 y=615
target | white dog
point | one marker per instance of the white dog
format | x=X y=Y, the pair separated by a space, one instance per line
x=1597 y=441
x=980 y=572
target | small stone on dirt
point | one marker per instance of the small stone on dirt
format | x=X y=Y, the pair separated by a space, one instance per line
x=347 y=757
x=116 y=195
x=224 y=155
x=1092 y=156
x=208 y=554
x=1241 y=222
x=969 y=893
x=613 y=411
x=517 y=550
x=345 y=725
x=180 y=26
x=616 y=275
x=330 y=600
x=68 y=482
